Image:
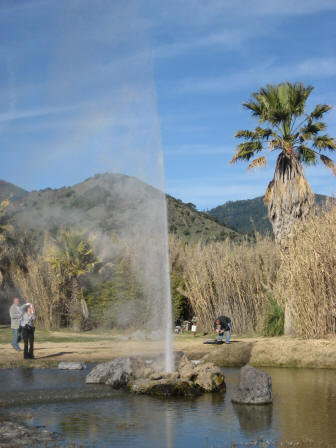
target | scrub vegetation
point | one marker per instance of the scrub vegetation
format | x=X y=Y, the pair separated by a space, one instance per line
x=253 y=281
x=250 y=279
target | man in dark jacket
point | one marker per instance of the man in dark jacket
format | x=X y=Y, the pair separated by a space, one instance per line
x=223 y=324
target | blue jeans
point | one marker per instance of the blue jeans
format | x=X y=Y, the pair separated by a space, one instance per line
x=228 y=334
x=15 y=338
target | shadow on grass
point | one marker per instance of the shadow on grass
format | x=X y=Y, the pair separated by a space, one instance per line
x=53 y=355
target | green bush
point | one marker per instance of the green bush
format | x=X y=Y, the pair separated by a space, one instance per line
x=274 y=319
x=180 y=303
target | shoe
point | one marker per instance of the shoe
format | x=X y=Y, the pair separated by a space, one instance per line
x=18 y=349
x=31 y=356
x=26 y=357
x=13 y=346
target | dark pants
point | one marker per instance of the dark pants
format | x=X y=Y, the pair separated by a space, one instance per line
x=28 y=338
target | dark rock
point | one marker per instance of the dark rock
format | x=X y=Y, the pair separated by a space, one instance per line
x=13 y=434
x=255 y=387
x=116 y=373
x=165 y=387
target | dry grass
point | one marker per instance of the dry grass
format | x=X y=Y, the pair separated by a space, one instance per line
x=41 y=284
x=227 y=278
x=240 y=279
x=307 y=280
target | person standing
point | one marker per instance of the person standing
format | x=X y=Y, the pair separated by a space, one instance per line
x=28 y=330
x=15 y=313
x=223 y=324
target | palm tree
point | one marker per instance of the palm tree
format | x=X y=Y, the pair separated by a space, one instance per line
x=72 y=255
x=285 y=126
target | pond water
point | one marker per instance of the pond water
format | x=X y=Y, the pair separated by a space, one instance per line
x=95 y=416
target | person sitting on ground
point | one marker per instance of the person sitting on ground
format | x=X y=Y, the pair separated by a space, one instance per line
x=15 y=312
x=28 y=330
x=223 y=324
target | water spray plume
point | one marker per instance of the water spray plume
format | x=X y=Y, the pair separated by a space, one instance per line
x=85 y=103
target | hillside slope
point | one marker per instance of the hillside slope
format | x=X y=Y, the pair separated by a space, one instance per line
x=11 y=191
x=101 y=202
x=249 y=215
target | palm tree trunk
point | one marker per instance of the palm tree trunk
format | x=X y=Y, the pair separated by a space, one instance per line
x=288 y=198
x=75 y=304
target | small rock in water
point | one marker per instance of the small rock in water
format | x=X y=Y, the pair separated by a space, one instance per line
x=255 y=387
x=116 y=373
x=71 y=366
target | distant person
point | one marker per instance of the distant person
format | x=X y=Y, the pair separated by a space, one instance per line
x=15 y=312
x=223 y=324
x=28 y=330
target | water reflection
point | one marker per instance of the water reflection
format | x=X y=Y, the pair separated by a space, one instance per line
x=305 y=402
x=253 y=418
x=304 y=408
x=169 y=420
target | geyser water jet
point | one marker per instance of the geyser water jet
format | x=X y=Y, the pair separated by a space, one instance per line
x=81 y=100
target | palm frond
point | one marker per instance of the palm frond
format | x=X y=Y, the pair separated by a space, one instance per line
x=319 y=111
x=328 y=163
x=246 y=134
x=285 y=125
x=257 y=163
x=307 y=155
x=323 y=142
x=311 y=129
x=246 y=150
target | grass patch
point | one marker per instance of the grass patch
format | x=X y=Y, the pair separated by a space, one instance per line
x=274 y=319
x=58 y=337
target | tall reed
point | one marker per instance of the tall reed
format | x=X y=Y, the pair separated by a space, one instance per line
x=307 y=277
x=228 y=278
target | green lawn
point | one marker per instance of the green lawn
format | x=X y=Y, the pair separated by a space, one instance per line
x=58 y=336
x=66 y=335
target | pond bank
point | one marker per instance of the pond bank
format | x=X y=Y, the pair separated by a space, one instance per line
x=15 y=434
x=91 y=347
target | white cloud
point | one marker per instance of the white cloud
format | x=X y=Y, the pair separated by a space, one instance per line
x=269 y=71
x=196 y=150
x=34 y=113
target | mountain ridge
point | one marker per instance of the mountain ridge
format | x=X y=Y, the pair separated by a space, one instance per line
x=249 y=215
x=97 y=202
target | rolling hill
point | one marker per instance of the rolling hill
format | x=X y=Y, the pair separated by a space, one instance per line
x=99 y=202
x=249 y=215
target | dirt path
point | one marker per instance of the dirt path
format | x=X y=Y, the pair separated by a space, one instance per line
x=89 y=347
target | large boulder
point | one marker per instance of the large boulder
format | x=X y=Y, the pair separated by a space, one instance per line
x=165 y=387
x=116 y=373
x=209 y=377
x=255 y=387
x=148 y=377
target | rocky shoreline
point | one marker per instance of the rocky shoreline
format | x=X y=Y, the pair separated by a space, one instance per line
x=147 y=376
x=15 y=435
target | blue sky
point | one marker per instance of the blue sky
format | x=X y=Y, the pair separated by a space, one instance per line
x=140 y=75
